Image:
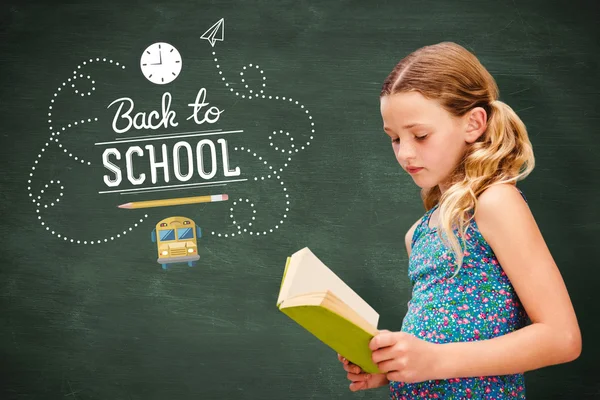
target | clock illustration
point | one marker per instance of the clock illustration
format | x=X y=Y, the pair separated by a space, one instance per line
x=160 y=63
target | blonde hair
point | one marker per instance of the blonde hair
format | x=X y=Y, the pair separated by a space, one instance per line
x=453 y=76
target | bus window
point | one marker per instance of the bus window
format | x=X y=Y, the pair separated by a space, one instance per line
x=166 y=234
x=185 y=233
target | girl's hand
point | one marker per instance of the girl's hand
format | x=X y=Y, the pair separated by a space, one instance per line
x=404 y=357
x=361 y=380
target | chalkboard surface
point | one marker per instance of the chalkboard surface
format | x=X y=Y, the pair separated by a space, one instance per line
x=274 y=103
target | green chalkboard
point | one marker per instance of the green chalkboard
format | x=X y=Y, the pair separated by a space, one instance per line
x=274 y=103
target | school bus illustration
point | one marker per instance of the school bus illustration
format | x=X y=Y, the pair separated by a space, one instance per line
x=176 y=240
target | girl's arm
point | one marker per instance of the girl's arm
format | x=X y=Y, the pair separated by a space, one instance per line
x=506 y=222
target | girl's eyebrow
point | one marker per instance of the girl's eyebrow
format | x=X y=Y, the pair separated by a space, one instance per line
x=408 y=126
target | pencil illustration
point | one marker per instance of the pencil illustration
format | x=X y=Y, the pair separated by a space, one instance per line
x=175 y=201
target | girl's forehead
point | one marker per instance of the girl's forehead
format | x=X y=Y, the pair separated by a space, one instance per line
x=404 y=107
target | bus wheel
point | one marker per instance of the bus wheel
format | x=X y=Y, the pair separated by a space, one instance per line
x=165 y=266
x=191 y=264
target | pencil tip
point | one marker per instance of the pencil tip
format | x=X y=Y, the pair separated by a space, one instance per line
x=126 y=205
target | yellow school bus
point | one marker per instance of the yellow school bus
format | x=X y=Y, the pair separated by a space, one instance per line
x=176 y=240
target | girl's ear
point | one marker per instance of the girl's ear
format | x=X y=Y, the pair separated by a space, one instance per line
x=476 y=124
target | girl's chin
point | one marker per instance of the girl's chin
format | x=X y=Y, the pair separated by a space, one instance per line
x=422 y=182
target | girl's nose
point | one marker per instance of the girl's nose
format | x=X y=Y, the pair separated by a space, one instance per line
x=404 y=153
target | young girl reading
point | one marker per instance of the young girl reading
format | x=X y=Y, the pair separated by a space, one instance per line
x=488 y=301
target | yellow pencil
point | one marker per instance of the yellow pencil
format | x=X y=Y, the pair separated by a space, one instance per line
x=175 y=202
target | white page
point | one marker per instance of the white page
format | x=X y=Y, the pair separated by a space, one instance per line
x=309 y=274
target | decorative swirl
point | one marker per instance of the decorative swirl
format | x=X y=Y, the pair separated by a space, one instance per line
x=257 y=232
x=250 y=94
x=38 y=198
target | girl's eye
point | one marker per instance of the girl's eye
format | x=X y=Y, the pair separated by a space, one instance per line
x=419 y=138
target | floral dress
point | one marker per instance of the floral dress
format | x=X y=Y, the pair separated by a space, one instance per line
x=479 y=303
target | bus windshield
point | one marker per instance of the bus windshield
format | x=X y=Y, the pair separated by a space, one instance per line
x=185 y=233
x=166 y=234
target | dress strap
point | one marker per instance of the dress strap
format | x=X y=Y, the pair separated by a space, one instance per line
x=424 y=223
x=422 y=226
x=524 y=198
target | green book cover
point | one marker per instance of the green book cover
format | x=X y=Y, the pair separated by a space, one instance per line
x=335 y=331
x=317 y=299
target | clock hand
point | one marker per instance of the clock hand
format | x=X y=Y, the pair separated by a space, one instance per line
x=160 y=56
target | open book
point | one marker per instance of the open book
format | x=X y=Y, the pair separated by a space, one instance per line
x=318 y=300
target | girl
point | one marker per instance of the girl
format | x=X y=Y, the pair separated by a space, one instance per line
x=485 y=310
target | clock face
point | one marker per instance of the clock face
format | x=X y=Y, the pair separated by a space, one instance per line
x=160 y=63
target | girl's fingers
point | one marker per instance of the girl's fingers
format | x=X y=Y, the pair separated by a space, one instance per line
x=343 y=360
x=355 y=369
x=354 y=386
x=357 y=377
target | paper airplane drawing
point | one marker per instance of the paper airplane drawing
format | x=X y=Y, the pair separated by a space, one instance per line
x=215 y=32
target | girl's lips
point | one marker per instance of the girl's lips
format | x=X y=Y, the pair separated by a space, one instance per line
x=413 y=170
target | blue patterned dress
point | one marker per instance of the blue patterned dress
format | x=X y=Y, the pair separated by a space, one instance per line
x=479 y=303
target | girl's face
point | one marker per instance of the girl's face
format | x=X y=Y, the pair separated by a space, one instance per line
x=424 y=135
